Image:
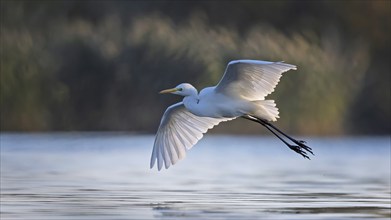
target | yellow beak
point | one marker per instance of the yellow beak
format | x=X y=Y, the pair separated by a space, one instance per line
x=168 y=91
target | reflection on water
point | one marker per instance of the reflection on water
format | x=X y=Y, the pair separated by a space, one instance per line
x=106 y=176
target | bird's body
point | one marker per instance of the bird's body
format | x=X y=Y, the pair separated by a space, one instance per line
x=209 y=103
x=240 y=93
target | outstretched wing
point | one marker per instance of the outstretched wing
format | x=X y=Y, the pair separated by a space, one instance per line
x=179 y=130
x=251 y=79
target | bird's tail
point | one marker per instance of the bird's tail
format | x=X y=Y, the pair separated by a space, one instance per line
x=265 y=109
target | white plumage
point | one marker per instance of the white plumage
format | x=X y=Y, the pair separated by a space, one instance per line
x=252 y=79
x=241 y=92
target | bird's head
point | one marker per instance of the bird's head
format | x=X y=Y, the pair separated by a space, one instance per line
x=183 y=89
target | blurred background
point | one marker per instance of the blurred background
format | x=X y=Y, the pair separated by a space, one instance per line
x=98 y=65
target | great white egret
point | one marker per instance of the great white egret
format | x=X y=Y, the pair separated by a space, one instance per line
x=240 y=93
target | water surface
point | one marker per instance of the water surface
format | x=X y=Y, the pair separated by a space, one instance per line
x=107 y=176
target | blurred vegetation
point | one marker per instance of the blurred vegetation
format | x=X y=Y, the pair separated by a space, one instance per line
x=98 y=65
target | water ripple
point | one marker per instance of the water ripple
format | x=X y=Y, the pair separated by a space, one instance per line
x=115 y=183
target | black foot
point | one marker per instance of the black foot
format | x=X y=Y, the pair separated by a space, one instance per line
x=301 y=149
x=303 y=145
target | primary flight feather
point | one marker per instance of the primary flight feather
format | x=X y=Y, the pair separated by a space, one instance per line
x=240 y=93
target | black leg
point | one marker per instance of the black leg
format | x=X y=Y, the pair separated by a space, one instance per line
x=261 y=122
x=301 y=143
x=300 y=148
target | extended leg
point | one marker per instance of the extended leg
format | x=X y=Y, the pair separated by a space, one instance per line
x=300 y=148
x=261 y=122
x=301 y=143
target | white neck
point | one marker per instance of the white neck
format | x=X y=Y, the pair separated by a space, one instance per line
x=191 y=101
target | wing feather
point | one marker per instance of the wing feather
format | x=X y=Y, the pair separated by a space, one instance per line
x=251 y=79
x=179 y=130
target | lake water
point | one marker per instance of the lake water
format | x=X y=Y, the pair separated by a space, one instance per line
x=107 y=176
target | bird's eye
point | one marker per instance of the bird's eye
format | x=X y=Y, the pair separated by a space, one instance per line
x=180 y=89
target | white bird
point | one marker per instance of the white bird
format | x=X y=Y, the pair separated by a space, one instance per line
x=240 y=93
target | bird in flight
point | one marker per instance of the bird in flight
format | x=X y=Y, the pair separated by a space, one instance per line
x=240 y=93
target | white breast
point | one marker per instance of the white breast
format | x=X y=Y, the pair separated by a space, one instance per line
x=215 y=105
